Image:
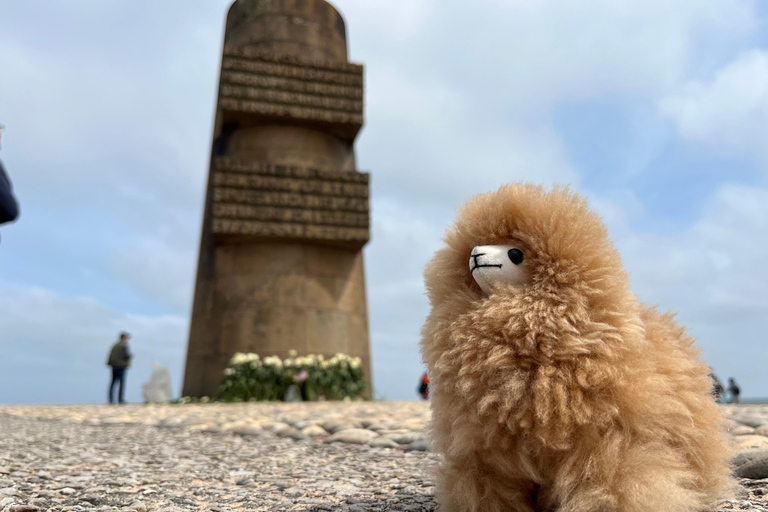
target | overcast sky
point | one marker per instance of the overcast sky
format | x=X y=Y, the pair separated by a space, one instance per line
x=655 y=110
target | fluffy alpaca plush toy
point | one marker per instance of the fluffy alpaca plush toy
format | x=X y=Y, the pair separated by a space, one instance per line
x=553 y=388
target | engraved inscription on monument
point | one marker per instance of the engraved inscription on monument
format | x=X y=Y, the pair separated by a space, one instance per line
x=278 y=200
x=270 y=86
x=286 y=214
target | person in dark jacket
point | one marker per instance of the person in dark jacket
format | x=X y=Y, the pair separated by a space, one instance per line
x=735 y=391
x=9 y=208
x=119 y=360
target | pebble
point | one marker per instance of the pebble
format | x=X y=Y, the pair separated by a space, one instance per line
x=382 y=442
x=755 y=469
x=750 y=420
x=248 y=431
x=420 y=445
x=298 y=435
x=750 y=442
x=314 y=431
x=344 y=426
x=281 y=428
x=138 y=506
x=332 y=424
x=406 y=437
x=352 y=436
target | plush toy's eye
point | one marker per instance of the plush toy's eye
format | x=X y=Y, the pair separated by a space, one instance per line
x=515 y=256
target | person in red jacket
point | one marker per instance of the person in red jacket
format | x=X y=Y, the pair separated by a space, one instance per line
x=424 y=387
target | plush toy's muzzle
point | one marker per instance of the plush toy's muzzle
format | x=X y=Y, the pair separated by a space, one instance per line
x=492 y=264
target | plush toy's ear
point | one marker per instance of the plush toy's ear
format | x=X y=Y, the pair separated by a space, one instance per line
x=492 y=264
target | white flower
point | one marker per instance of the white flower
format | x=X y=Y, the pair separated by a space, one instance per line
x=229 y=371
x=241 y=358
x=238 y=358
x=355 y=362
x=273 y=361
x=292 y=353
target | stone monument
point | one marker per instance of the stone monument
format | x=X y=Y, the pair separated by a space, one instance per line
x=286 y=211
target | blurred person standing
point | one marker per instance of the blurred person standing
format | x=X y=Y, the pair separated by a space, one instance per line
x=734 y=390
x=119 y=360
x=9 y=208
x=717 y=387
x=423 y=388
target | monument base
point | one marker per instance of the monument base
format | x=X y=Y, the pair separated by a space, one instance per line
x=272 y=297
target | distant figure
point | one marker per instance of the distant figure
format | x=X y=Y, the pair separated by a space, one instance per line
x=119 y=360
x=424 y=387
x=297 y=392
x=9 y=208
x=734 y=390
x=717 y=387
x=301 y=378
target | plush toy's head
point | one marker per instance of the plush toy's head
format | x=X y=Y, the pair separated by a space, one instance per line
x=492 y=264
x=529 y=263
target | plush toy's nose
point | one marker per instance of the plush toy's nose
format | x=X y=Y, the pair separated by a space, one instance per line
x=487 y=256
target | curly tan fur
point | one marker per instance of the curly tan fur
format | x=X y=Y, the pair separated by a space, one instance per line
x=564 y=393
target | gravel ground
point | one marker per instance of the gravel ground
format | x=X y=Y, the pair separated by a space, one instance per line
x=202 y=458
x=55 y=465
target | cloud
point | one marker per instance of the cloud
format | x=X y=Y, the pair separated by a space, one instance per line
x=404 y=241
x=55 y=347
x=159 y=272
x=533 y=54
x=463 y=100
x=716 y=262
x=730 y=111
x=714 y=274
x=121 y=122
x=439 y=149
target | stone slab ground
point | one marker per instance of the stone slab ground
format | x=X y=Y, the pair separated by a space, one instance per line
x=279 y=457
